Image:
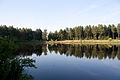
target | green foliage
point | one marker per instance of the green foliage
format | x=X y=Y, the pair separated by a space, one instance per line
x=7 y=47
x=106 y=38
x=88 y=32
x=11 y=66
x=102 y=38
x=99 y=38
x=16 y=34
x=44 y=35
x=100 y=32
x=94 y=32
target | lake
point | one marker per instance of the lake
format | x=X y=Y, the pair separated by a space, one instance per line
x=73 y=62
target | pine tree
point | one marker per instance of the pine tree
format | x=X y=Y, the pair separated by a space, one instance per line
x=113 y=30
x=94 y=31
x=100 y=30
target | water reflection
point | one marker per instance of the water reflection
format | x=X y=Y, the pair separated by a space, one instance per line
x=77 y=50
x=73 y=62
x=13 y=61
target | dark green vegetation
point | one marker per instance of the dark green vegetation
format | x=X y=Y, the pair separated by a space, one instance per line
x=23 y=34
x=12 y=66
x=100 y=32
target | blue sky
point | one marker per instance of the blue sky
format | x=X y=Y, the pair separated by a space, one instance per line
x=57 y=14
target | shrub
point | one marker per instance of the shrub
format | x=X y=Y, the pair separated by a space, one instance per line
x=102 y=37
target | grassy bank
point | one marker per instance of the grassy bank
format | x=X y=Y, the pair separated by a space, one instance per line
x=85 y=42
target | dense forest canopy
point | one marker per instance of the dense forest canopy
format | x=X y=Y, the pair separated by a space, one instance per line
x=20 y=34
x=100 y=32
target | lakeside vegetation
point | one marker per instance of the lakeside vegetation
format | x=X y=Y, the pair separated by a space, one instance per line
x=79 y=34
x=22 y=34
x=13 y=67
x=89 y=32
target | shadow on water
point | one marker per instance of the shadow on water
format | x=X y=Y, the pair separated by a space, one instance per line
x=77 y=50
x=12 y=66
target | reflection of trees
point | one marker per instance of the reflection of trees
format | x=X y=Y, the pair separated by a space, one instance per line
x=28 y=50
x=44 y=49
x=118 y=53
x=12 y=67
x=77 y=50
x=94 y=52
x=71 y=50
x=89 y=51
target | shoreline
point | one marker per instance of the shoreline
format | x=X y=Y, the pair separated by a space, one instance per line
x=84 y=42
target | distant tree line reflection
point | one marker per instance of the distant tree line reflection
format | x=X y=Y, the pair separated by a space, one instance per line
x=77 y=50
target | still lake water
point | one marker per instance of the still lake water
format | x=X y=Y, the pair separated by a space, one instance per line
x=73 y=62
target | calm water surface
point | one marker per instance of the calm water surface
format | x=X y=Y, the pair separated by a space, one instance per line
x=73 y=62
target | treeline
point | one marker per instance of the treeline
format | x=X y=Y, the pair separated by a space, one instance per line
x=99 y=32
x=12 y=33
